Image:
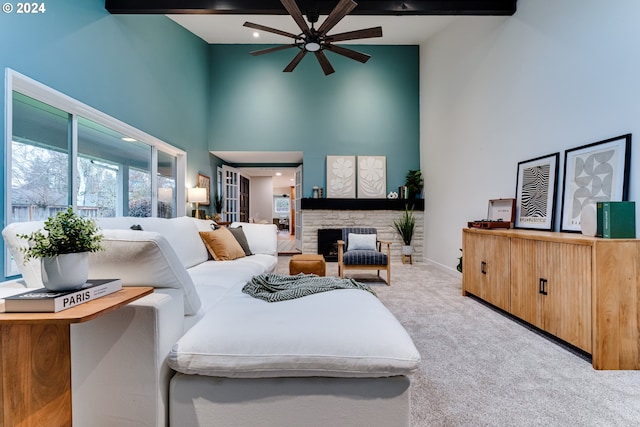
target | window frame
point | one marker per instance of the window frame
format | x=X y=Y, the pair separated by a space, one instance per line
x=16 y=82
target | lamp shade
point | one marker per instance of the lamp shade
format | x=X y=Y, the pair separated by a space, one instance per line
x=196 y=195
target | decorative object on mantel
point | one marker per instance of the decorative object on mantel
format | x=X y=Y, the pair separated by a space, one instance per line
x=64 y=249
x=341 y=177
x=536 y=190
x=597 y=172
x=414 y=183
x=405 y=226
x=316 y=192
x=372 y=177
x=392 y=195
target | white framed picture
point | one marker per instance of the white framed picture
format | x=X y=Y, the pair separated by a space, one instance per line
x=372 y=177
x=341 y=177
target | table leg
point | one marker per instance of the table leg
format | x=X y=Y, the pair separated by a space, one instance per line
x=35 y=368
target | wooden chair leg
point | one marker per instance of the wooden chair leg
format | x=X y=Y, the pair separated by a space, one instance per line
x=388 y=275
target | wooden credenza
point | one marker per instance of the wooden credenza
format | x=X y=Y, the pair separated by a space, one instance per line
x=583 y=290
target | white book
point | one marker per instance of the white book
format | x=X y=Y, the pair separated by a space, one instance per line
x=43 y=300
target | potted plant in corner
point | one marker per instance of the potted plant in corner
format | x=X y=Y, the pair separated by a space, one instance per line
x=63 y=249
x=405 y=226
x=218 y=202
x=414 y=183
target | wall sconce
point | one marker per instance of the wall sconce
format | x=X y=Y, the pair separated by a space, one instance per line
x=197 y=195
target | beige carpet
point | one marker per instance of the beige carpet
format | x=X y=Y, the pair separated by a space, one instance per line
x=480 y=368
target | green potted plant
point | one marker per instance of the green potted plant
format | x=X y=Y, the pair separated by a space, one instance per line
x=414 y=183
x=406 y=226
x=63 y=249
x=218 y=202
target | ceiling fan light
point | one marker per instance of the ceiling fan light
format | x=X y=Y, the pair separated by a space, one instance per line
x=312 y=47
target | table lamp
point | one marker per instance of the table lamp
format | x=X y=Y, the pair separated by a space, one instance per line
x=197 y=195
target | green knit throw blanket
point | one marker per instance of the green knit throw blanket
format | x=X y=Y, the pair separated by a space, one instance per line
x=279 y=287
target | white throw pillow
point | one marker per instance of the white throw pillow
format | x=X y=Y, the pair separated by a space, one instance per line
x=365 y=242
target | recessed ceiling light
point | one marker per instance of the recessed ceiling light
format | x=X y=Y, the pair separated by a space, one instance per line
x=256 y=34
x=278 y=173
x=128 y=139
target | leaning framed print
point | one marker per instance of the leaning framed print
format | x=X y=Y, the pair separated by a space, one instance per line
x=341 y=177
x=536 y=191
x=597 y=172
x=205 y=182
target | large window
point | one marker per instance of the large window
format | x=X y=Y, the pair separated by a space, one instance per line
x=62 y=153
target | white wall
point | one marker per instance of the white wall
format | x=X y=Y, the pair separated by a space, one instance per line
x=261 y=198
x=499 y=90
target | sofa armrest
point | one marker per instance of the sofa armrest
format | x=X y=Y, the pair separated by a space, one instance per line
x=119 y=372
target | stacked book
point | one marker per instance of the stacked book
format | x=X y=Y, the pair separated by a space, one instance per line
x=616 y=220
x=43 y=300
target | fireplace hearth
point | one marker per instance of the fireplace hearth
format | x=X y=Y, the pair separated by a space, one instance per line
x=328 y=243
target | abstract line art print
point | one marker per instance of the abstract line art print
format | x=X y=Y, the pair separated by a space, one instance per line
x=597 y=172
x=372 y=177
x=536 y=192
x=341 y=177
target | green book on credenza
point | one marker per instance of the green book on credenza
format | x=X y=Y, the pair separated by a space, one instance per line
x=616 y=220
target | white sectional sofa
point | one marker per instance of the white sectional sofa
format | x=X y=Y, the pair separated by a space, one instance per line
x=200 y=352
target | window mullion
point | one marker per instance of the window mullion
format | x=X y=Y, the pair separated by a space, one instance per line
x=73 y=161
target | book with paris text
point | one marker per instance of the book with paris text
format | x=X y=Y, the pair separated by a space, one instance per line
x=43 y=300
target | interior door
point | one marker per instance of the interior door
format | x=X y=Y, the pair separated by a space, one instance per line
x=231 y=193
x=298 y=210
x=243 y=209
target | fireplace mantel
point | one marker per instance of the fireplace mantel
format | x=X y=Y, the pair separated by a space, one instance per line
x=363 y=204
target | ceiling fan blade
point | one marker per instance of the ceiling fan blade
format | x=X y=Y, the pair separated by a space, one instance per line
x=324 y=63
x=339 y=12
x=269 y=29
x=367 y=33
x=295 y=13
x=295 y=61
x=358 y=56
x=271 y=49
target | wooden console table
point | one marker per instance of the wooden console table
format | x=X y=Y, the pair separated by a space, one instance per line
x=35 y=360
x=583 y=290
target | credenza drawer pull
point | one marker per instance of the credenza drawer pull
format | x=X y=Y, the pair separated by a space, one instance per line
x=543 y=286
x=483 y=267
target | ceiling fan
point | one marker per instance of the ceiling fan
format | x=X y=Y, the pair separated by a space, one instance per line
x=317 y=40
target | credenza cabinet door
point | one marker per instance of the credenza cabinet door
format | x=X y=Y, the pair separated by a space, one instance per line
x=527 y=302
x=568 y=299
x=551 y=288
x=485 y=268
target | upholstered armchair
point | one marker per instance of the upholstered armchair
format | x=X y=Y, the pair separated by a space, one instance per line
x=360 y=249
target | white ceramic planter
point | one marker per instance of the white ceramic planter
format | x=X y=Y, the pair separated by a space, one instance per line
x=407 y=250
x=65 y=272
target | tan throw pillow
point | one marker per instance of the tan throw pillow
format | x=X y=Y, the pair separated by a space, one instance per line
x=222 y=245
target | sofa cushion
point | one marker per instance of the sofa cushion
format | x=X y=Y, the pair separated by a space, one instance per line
x=30 y=270
x=222 y=245
x=341 y=333
x=181 y=232
x=365 y=242
x=242 y=239
x=262 y=238
x=143 y=258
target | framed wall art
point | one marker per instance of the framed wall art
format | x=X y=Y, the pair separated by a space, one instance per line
x=205 y=182
x=594 y=173
x=372 y=177
x=341 y=177
x=536 y=191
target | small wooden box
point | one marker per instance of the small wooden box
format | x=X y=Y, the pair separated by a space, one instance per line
x=501 y=214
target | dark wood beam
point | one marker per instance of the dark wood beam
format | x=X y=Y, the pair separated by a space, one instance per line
x=274 y=7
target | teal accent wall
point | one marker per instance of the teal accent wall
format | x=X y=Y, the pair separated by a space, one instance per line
x=361 y=109
x=144 y=70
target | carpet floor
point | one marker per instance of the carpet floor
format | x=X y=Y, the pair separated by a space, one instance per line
x=480 y=368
